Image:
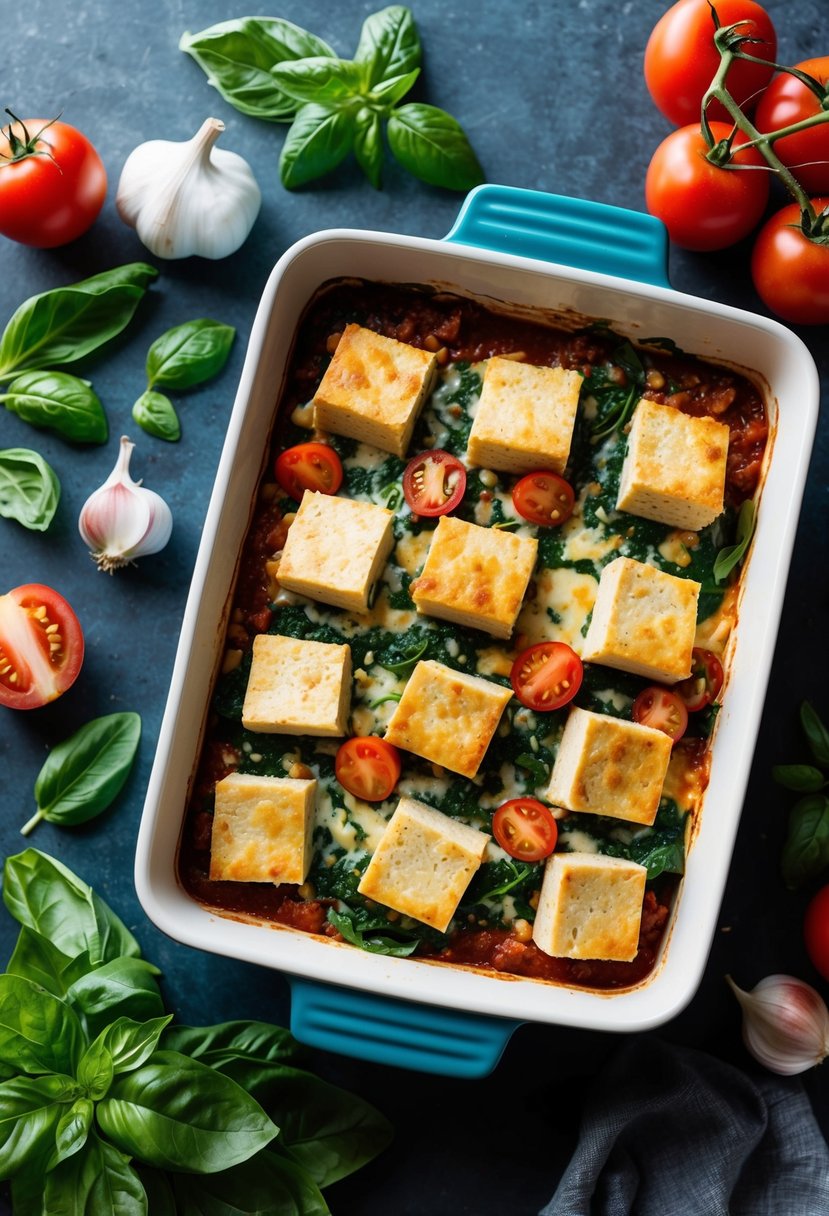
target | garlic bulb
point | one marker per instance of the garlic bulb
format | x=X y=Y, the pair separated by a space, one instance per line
x=785 y=1023
x=123 y=520
x=186 y=198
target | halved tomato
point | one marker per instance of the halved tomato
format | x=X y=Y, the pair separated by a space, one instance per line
x=544 y=498
x=525 y=828
x=309 y=466
x=434 y=483
x=41 y=646
x=662 y=709
x=547 y=675
x=369 y=768
x=703 y=685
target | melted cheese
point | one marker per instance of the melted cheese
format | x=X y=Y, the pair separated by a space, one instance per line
x=571 y=596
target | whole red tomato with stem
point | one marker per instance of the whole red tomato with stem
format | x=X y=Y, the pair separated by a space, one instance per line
x=705 y=205
x=788 y=100
x=52 y=182
x=816 y=931
x=790 y=271
x=681 y=59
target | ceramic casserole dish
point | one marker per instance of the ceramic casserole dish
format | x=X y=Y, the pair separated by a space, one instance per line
x=526 y=251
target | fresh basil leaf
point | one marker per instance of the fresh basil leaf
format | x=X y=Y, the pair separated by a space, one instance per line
x=176 y=1113
x=123 y=987
x=368 y=148
x=45 y=895
x=36 y=959
x=374 y=945
x=329 y=82
x=239 y=57
x=58 y=402
x=318 y=140
x=158 y=1187
x=95 y=1070
x=30 y=1108
x=130 y=1043
x=801 y=777
x=29 y=488
x=156 y=415
x=39 y=1033
x=95 y=1181
x=134 y=274
x=257 y=1043
x=27 y=1186
x=264 y=1185
x=189 y=354
x=389 y=92
x=72 y=1130
x=732 y=555
x=83 y=774
x=817 y=736
x=389 y=43
x=806 y=851
x=432 y=145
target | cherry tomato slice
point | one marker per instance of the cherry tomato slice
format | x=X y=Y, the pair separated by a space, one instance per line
x=309 y=466
x=662 y=709
x=434 y=483
x=547 y=675
x=41 y=646
x=369 y=768
x=544 y=498
x=704 y=683
x=525 y=828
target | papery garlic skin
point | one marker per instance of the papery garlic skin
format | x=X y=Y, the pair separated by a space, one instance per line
x=189 y=198
x=123 y=520
x=785 y=1023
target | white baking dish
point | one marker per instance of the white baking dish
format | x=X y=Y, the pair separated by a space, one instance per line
x=511 y=246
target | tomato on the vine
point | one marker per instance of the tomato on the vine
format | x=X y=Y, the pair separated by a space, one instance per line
x=309 y=466
x=369 y=768
x=52 y=182
x=790 y=272
x=702 y=686
x=434 y=483
x=816 y=931
x=544 y=498
x=787 y=101
x=41 y=646
x=546 y=676
x=681 y=59
x=661 y=709
x=702 y=205
x=525 y=828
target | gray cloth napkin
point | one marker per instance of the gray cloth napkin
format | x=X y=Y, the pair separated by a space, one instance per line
x=668 y=1131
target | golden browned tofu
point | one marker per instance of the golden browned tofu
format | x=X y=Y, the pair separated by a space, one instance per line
x=525 y=416
x=297 y=687
x=262 y=829
x=590 y=907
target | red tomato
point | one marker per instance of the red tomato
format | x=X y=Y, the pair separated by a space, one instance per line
x=681 y=59
x=525 y=828
x=661 y=709
x=816 y=931
x=52 y=182
x=41 y=646
x=309 y=466
x=787 y=101
x=546 y=676
x=434 y=483
x=703 y=684
x=704 y=206
x=544 y=498
x=790 y=272
x=367 y=767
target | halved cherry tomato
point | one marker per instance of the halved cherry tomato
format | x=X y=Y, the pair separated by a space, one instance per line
x=525 y=828
x=662 y=709
x=704 y=683
x=369 y=768
x=787 y=101
x=434 y=483
x=547 y=675
x=41 y=646
x=544 y=498
x=309 y=466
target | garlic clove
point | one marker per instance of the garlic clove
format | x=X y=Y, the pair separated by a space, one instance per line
x=190 y=197
x=785 y=1023
x=123 y=520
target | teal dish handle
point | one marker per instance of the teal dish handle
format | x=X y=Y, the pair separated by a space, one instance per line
x=570 y=231
x=402 y=1033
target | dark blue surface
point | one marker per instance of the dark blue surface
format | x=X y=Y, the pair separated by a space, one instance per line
x=552 y=96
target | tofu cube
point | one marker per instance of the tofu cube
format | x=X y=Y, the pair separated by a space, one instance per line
x=336 y=550
x=674 y=469
x=525 y=416
x=423 y=864
x=447 y=716
x=297 y=687
x=373 y=389
x=608 y=766
x=590 y=907
x=644 y=621
x=475 y=576
x=262 y=829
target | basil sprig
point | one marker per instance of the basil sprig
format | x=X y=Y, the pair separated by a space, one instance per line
x=101 y=1097
x=806 y=849
x=271 y=69
x=181 y=358
x=29 y=488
